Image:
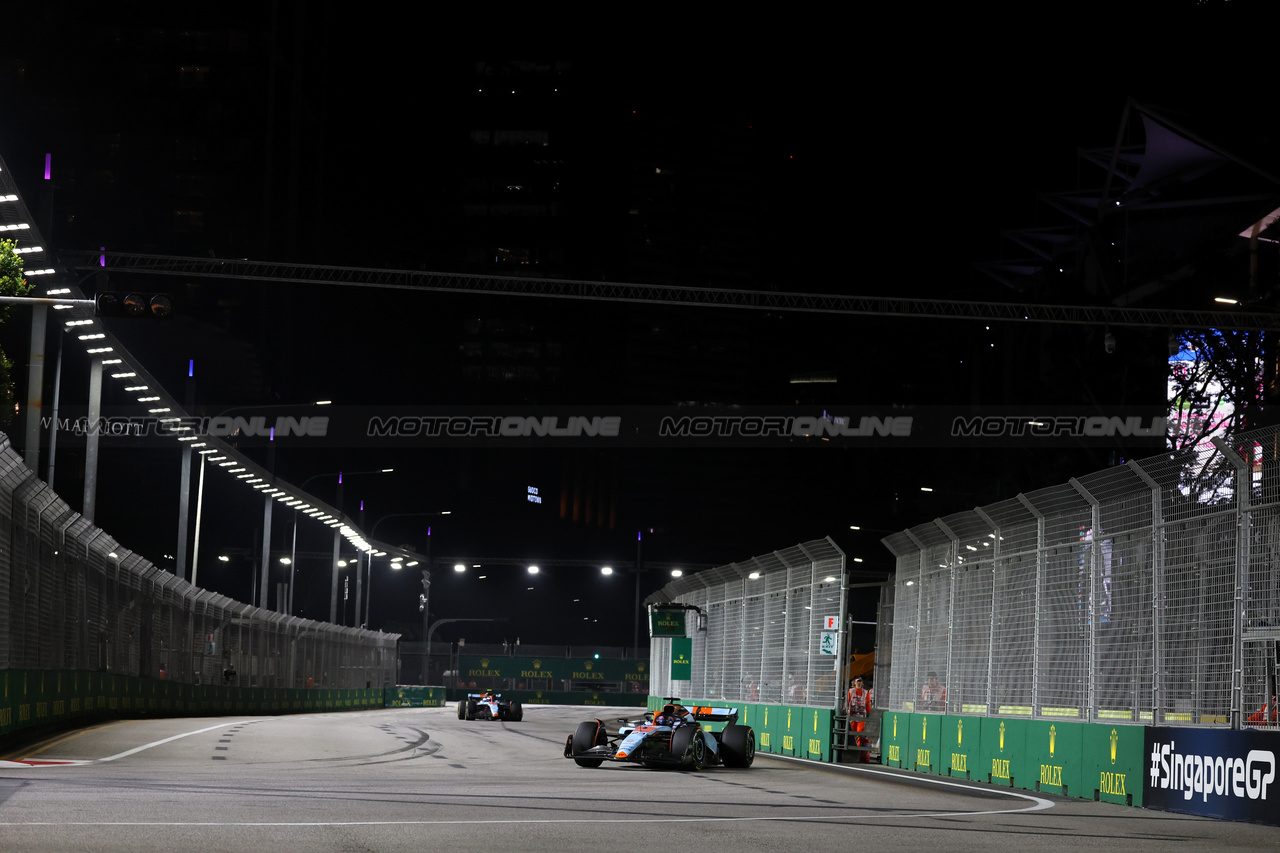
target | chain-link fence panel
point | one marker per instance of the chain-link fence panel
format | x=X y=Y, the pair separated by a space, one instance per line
x=1149 y=592
x=758 y=629
x=73 y=598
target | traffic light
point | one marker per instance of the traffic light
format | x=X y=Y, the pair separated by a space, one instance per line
x=115 y=304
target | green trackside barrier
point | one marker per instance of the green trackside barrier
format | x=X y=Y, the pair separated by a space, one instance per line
x=959 y=739
x=780 y=729
x=50 y=698
x=895 y=733
x=482 y=670
x=1001 y=759
x=817 y=724
x=562 y=697
x=8 y=698
x=750 y=715
x=414 y=697
x=790 y=726
x=1056 y=750
x=924 y=753
x=1113 y=763
x=768 y=736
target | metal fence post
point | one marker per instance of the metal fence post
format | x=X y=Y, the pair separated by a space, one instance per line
x=991 y=635
x=915 y=668
x=953 y=562
x=1039 y=603
x=1157 y=588
x=1095 y=548
x=1244 y=517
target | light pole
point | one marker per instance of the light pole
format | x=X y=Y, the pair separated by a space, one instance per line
x=426 y=573
x=337 y=532
x=446 y=622
x=185 y=484
x=113 y=651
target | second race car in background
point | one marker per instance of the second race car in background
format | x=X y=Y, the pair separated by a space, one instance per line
x=489 y=706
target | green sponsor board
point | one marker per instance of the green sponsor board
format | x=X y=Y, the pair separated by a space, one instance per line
x=1002 y=753
x=681 y=658
x=414 y=697
x=817 y=733
x=1055 y=751
x=768 y=738
x=751 y=715
x=925 y=753
x=1113 y=763
x=791 y=728
x=484 y=669
x=895 y=733
x=666 y=623
x=959 y=740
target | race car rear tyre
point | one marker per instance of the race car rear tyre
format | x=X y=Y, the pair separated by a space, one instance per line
x=472 y=710
x=687 y=743
x=588 y=734
x=516 y=712
x=738 y=746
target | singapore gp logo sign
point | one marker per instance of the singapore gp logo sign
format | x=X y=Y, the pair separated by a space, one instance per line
x=1217 y=773
x=1212 y=775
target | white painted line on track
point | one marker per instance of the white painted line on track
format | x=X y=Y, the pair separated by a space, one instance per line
x=1037 y=804
x=491 y=822
x=138 y=749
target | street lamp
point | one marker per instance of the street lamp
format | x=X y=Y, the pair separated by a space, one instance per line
x=426 y=573
x=216 y=424
x=337 y=531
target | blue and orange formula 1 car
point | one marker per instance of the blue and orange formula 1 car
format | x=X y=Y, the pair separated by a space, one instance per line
x=489 y=706
x=673 y=737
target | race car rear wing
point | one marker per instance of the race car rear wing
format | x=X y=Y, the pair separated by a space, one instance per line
x=711 y=714
x=480 y=695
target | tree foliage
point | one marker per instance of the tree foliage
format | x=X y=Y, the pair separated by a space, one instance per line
x=12 y=283
x=1215 y=389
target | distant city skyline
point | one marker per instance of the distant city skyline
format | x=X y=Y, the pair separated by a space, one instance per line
x=799 y=165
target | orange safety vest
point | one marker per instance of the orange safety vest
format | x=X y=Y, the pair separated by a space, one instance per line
x=858 y=701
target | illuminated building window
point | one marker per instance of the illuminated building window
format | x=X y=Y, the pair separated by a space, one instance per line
x=193 y=75
x=521 y=137
x=188 y=221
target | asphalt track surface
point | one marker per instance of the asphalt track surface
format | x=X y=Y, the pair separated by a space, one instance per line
x=421 y=779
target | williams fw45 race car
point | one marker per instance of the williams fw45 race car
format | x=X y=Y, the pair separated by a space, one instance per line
x=673 y=737
x=490 y=706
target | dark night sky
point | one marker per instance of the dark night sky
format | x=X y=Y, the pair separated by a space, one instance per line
x=889 y=147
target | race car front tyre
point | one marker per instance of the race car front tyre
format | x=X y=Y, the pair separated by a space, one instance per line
x=588 y=734
x=687 y=745
x=738 y=746
x=462 y=710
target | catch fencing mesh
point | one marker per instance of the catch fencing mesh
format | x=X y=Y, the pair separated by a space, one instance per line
x=73 y=598
x=1147 y=593
x=757 y=629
